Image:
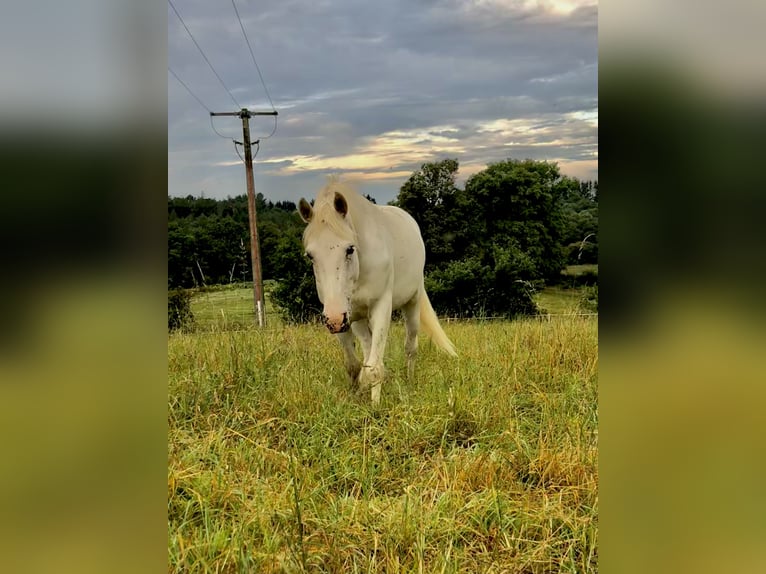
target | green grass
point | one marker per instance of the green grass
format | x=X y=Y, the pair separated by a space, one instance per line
x=231 y=307
x=560 y=301
x=487 y=463
x=564 y=299
x=223 y=308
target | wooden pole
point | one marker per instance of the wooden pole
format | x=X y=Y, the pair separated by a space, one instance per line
x=255 y=247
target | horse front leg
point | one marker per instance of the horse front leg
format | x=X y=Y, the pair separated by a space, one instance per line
x=353 y=366
x=361 y=329
x=372 y=371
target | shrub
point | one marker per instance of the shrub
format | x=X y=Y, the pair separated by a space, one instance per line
x=494 y=285
x=574 y=277
x=472 y=288
x=295 y=297
x=180 y=315
x=579 y=254
x=295 y=294
x=588 y=278
x=589 y=299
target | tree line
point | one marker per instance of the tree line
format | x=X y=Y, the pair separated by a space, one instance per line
x=512 y=228
x=209 y=239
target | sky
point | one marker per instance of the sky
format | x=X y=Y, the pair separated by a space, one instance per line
x=372 y=90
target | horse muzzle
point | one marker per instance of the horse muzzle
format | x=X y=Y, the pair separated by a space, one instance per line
x=337 y=324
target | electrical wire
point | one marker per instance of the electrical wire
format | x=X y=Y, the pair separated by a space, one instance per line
x=193 y=95
x=219 y=134
x=233 y=99
x=257 y=67
x=272 y=131
x=256 y=143
x=201 y=103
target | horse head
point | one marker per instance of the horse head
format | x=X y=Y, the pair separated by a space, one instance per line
x=330 y=244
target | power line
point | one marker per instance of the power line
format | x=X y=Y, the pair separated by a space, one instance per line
x=201 y=103
x=188 y=89
x=233 y=3
x=257 y=67
x=272 y=131
x=233 y=99
x=256 y=143
x=219 y=134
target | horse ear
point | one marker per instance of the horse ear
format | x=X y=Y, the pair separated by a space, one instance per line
x=340 y=204
x=304 y=208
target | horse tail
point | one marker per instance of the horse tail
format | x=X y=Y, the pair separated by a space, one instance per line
x=430 y=325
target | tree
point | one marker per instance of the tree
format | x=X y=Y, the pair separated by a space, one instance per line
x=580 y=229
x=441 y=209
x=518 y=203
x=489 y=246
x=212 y=237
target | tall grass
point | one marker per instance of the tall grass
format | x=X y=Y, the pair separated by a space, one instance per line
x=487 y=463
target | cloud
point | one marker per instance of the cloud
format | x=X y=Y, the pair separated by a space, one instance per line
x=376 y=89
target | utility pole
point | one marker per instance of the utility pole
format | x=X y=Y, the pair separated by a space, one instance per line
x=255 y=248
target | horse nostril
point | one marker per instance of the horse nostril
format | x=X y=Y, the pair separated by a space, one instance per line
x=344 y=325
x=336 y=326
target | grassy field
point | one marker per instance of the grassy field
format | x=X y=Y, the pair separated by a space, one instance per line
x=557 y=301
x=486 y=463
x=228 y=307
x=231 y=307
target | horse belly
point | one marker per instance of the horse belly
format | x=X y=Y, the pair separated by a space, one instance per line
x=408 y=262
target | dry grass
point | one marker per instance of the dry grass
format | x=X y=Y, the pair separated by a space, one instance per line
x=487 y=463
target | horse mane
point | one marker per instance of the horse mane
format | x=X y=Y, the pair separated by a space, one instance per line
x=325 y=213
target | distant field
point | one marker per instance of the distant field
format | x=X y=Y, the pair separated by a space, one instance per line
x=563 y=300
x=487 y=463
x=559 y=301
x=580 y=269
x=229 y=307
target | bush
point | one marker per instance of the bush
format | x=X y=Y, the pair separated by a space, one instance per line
x=577 y=256
x=588 y=278
x=295 y=294
x=574 y=277
x=295 y=297
x=459 y=289
x=496 y=285
x=589 y=299
x=180 y=315
x=471 y=288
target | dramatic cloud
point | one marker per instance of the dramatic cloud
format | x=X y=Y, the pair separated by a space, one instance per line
x=373 y=90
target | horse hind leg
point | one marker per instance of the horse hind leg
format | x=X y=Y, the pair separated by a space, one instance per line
x=412 y=326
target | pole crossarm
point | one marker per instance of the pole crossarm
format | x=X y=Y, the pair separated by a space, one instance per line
x=245 y=113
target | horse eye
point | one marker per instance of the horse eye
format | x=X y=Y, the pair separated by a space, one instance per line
x=349 y=250
x=310 y=256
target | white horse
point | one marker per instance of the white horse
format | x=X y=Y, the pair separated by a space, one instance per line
x=368 y=261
